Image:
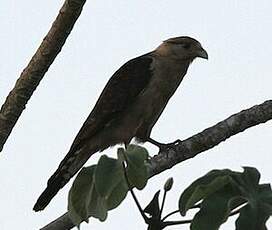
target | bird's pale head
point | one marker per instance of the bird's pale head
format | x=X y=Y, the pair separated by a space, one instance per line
x=183 y=48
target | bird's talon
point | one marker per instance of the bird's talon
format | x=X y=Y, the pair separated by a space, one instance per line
x=176 y=142
x=163 y=148
x=148 y=158
x=170 y=146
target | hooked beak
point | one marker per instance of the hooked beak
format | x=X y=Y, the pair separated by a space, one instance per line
x=202 y=53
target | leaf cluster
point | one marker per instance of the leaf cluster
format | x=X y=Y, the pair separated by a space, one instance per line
x=222 y=191
x=218 y=195
x=102 y=187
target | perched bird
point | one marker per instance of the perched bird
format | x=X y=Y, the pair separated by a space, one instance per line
x=128 y=107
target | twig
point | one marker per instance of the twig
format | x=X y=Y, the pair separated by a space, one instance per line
x=163 y=202
x=177 y=211
x=134 y=196
x=170 y=214
x=169 y=223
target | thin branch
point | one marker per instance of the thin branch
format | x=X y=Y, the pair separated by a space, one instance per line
x=133 y=195
x=203 y=141
x=177 y=211
x=163 y=202
x=63 y=222
x=170 y=214
x=170 y=223
x=39 y=64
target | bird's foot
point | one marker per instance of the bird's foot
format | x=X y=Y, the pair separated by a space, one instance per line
x=169 y=146
x=164 y=147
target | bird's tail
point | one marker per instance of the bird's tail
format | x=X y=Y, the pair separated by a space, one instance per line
x=69 y=166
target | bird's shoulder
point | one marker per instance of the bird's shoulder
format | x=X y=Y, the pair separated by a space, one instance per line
x=136 y=71
x=124 y=85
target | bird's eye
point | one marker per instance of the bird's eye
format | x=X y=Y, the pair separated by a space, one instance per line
x=186 y=46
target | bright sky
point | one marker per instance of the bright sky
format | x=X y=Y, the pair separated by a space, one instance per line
x=237 y=37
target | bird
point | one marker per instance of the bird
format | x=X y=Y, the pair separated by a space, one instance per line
x=128 y=107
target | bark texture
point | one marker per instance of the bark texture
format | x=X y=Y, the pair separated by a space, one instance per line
x=39 y=64
x=194 y=145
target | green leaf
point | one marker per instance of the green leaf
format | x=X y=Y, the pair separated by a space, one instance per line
x=120 y=154
x=136 y=167
x=251 y=176
x=110 y=184
x=108 y=174
x=215 y=209
x=139 y=151
x=117 y=195
x=97 y=206
x=252 y=218
x=78 y=195
x=248 y=180
x=259 y=197
x=265 y=193
x=203 y=187
x=222 y=191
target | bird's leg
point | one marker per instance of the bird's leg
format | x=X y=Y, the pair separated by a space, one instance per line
x=176 y=142
x=158 y=144
x=163 y=147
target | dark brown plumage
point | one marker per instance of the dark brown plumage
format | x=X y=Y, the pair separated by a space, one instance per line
x=128 y=107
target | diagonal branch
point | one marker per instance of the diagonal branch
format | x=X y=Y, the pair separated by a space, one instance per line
x=62 y=223
x=194 y=145
x=39 y=64
x=211 y=137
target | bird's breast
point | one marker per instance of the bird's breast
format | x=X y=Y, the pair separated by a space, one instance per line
x=149 y=104
x=167 y=76
x=165 y=80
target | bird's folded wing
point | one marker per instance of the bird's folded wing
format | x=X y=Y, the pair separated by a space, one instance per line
x=121 y=90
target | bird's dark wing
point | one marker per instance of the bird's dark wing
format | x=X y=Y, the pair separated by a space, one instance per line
x=120 y=91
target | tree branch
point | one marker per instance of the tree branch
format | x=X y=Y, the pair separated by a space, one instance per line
x=211 y=137
x=62 y=223
x=194 y=145
x=39 y=64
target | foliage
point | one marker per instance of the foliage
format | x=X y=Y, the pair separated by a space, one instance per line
x=218 y=195
x=222 y=191
x=102 y=187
